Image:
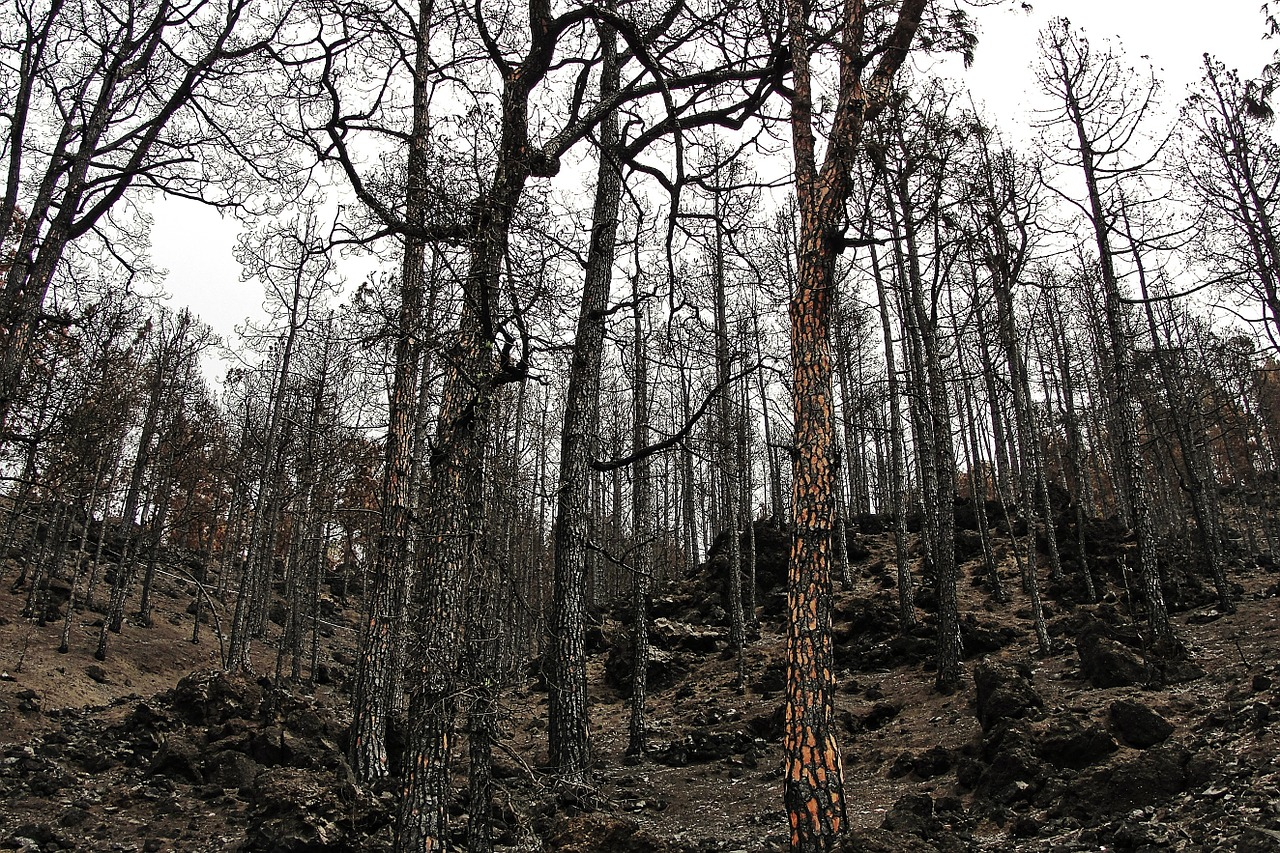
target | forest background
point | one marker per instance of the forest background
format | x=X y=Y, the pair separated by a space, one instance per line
x=545 y=317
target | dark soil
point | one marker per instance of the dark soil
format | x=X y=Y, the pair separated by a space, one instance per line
x=1089 y=748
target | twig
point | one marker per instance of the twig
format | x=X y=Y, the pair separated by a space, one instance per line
x=1240 y=651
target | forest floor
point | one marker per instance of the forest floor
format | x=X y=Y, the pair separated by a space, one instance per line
x=154 y=750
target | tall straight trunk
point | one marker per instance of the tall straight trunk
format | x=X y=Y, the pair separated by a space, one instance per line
x=813 y=789
x=306 y=544
x=255 y=579
x=1034 y=485
x=978 y=488
x=746 y=466
x=321 y=571
x=142 y=461
x=918 y=386
x=454 y=509
x=853 y=472
x=516 y=528
x=272 y=551
x=1125 y=416
x=947 y=571
x=666 y=517
x=842 y=524
x=616 y=542
x=897 y=453
x=773 y=468
x=532 y=622
x=688 y=487
x=727 y=451
x=1005 y=462
x=1082 y=494
x=305 y=596
x=154 y=536
x=936 y=417
x=1104 y=439
x=453 y=530
x=378 y=673
x=567 y=729
x=847 y=473
x=1192 y=474
x=78 y=562
x=232 y=541
x=641 y=533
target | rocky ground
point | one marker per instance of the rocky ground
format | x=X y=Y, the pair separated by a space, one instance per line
x=1079 y=750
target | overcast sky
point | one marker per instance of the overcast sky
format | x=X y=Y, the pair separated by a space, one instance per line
x=194 y=244
x=1171 y=36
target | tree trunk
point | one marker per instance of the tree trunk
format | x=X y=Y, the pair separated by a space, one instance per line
x=567 y=729
x=150 y=425
x=1192 y=474
x=814 y=790
x=1125 y=416
x=727 y=450
x=897 y=452
x=255 y=579
x=449 y=551
x=387 y=605
x=642 y=533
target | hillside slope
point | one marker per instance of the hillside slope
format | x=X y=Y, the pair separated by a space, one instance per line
x=154 y=750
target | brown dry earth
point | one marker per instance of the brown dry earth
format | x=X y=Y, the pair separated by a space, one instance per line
x=153 y=750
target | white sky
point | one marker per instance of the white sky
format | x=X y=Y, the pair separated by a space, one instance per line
x=194 y=243
x=1174 y=36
